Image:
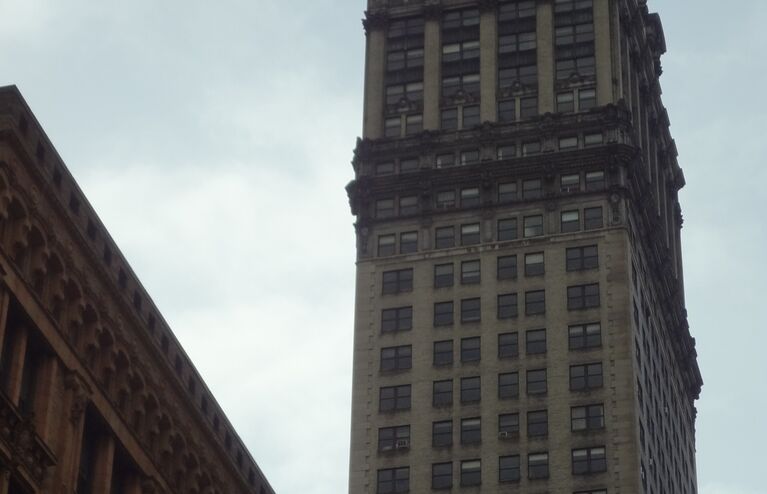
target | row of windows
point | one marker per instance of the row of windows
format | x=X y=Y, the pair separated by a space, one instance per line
x=582 y=419
x=583 y=377
x=583 y=461
x=576 y=259
x=580 y=337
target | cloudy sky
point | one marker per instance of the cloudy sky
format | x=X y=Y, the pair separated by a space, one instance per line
x=214 y=140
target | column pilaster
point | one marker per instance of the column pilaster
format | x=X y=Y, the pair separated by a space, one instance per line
x=488 y=60
x=375 y=65
x=103 y=464
x=15 y=363
x=432 y=69
x=603 y=52
x=545 y=49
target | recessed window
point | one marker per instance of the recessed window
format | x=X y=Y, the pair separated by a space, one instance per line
x=470 y=234
x=507 y=192
x=506 y=151
x=469 y=157
x=449 y=119
x=566 y=102
x=508 y=469
x=392 y=398
x=442 y=475
x=393 y=481
x=443 y=313
x=583 y=296
x=413 y=124
x=508 y=385
x=470 y=197
x=535 y=302
x=582 y=258
x=508 y=345
x=391 y=438
x=443 y=353
x=470 y=116
x=443 y=275
x=538 y=423
x=408 y=205
x=570 y=142
x=570 y=183
x=470 y=389
x=408 y=242
x=508 y=425
x=507 y=305
x=445 y=160
x=471 y=472
x=407 y=165
x=585 y=336
x=398 y=281
x=531 y=147
x=535 y=341
x=533 y=226
x=528 y=107
x=471 y=431
x=593 y=139
x=534 y=265
x=570 y=221
x=587 y=98
x=507 y=110
x=589 y=417
x=592 y=218
x=589 y=460
x=470 y=349
x=536 y=382
x=444 y=237
x=385 y=168
x=387 y=245
x=507 y=229
x=442 y=393
x=442 y=433
x=538 y=466
x=396 y=319
x=396 y=358
x=586 y=376
x=470 y=272
x=392 y=127
x=532 y=189
x=507 y=267
x=446 y=199
x=470 y=310
x=595 y=180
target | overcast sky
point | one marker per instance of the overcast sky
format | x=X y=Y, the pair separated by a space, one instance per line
x=214 y=140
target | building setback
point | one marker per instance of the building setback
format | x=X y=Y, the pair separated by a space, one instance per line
x=96 y=394
x=520 y=323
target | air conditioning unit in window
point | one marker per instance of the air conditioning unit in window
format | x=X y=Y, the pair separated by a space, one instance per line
x=402 y=444
x=504 y=435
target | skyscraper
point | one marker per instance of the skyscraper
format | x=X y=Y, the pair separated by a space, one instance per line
x=520 y=323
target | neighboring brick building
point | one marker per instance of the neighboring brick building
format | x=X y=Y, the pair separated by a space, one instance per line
x=97 y=395
x=520 y=322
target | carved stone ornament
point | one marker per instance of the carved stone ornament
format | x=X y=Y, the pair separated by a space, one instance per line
x=375 y=19
x=80 y=392
x=432 y=10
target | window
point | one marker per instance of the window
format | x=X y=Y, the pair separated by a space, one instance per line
x=535 y=342
x=443 y=313
x=571 y=221
x=408 y=205
x=508 y=385
x=574 y=40
x=442 y=433
x=450 y=119
x=470 y=197
x=396 y=319
x=592 y=139
x=470 y=234
x=538 y=423
x=392 y=127
x=470 y=389
x=442 y=475
x=470 y=310
x=446 y=199
x=390 y=438
x=566 y=102
x=583 y=296
x=396 y=358
x=471 y=431
x=507 y=192
x=569 y=142
x=507 y=229
x=393 y=481
x=470 y=272
x=595 y=180
x=408 y=242
x=407 y=165
x=538 y=466
x=534 y=264
x=384 y=208
x=445 y=160
x=507 y=305
x=589 y=460
x=531 y=147
x=570 y=183
x=584 y=336
x=413 y=124
x=444 y=237
x=532 y=189
x=443 y=275
x=469 y=157
x=508 y=425
x=391 y=398
x=386 y=245
x=536 y=382
x=592 y=218
x=506 y=151
x=507 y=110
x=585 y=377
x=507 y=267
x=397 y=281
x=443 y=352
x=581 y=258
x=508 y=469
x=535 y=302
x=533 y=226
x=590 y=417
x=470 y=349
x=528 y=107
x=442 y=393
x=587 y=99
x=471 y=472
x=508 y=345
x=470 y=116
x=385 y=168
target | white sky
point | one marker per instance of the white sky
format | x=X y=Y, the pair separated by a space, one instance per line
x=214 y=140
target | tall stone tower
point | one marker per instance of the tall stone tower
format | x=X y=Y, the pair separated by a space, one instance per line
x=520 y=323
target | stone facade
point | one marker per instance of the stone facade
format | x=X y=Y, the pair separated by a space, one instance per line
x=98 y=397
x=519 y=322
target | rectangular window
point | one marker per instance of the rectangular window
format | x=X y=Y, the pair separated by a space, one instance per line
x=384 y=208
x=470 y=349
x=469 y=157
x=408 y=242
x=408 y=205
x=570 y=221
x=445 y=160
x=574 y=40
x=470 y=197
x=569 y=142
x=582 y=258
x=532 y=189
x=397 y=281
x=585 y=377
x=413 y=124
x=538 y=423
x=507 y=305
x=566 y=102
x=443 y=353
x=392 y=127
x=471 y=431
x=470 y=310
x=536 y=382
x=442 y=476
x=443 y=275
x=507 y=267
x=528 y=107
x=471 y=472
x=535 y=302
x=533 y=226
x=507 y=110
x=587 y=418
x=570 y=183
x=530 y=148
x=450 y=119
x=392 y=398
x=583 y=296
x=470 y=116
x=446 y=199
x=396 y=358
x=444 y=237
x=390 y=438
x=386 y=245
x=442 y=394
x=470 y=272
x=592 y=218
x=595 y=180
x=535 y=341
x=385 y=168
x=538 y=466
x=507 y=192
x=393 y=481
x=396 y=319
x=407 y=165
x=508 y=345
x=585 y=336
x=443 y=313
x=508 y=469
x=593 y=139
x=507 y=229
x=587 y=99
x=508 y=385
x=442 y=433
x=534 y=265
x=589 y=460
x=470 y=234
x=508 y=425
x=470 y=389
x=506 y=151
